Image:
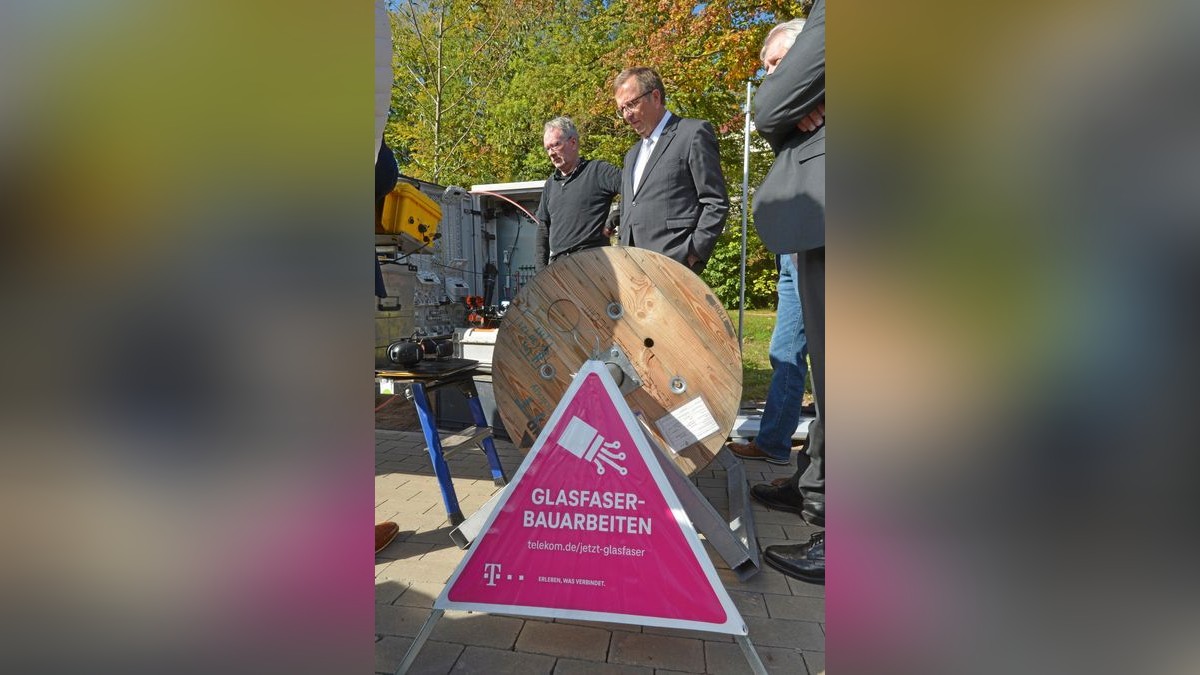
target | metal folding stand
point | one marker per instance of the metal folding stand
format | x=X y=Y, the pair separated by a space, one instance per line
x=419 y=641
x=464 y=534
x=756 y=664
x=733 y=539
x=438 y=448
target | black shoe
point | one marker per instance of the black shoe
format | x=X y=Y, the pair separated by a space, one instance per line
x=781 y=495
x=805 y=562
x=814 y=512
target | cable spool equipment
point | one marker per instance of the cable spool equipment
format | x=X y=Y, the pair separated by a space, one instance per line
x=661 y=332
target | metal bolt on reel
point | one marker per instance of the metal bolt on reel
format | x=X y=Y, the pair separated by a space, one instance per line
x=678 y=385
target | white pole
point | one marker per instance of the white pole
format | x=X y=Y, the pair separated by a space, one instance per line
x=745 y=216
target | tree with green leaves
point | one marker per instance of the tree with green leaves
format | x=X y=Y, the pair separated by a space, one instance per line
x=705 y=53
x=475 y=81
x=448 y=56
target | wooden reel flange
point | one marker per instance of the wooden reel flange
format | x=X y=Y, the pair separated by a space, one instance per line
x=661 y=332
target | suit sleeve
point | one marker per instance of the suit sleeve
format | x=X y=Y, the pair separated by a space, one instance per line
x=797 y=85
x=541 y=249
x=704 y=162
x=622 y=226
x=383 y=71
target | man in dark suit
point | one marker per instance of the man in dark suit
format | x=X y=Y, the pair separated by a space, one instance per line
x=789 y=212
x=673 y=193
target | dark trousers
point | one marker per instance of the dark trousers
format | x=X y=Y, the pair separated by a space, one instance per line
x=810 y=465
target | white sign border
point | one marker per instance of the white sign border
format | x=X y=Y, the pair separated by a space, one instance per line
x=734 y=623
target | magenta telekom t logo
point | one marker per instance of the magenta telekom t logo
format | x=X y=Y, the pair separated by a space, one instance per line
x=491 y=572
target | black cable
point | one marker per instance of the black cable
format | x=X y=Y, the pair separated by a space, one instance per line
x=418 y=249
x=516 y=238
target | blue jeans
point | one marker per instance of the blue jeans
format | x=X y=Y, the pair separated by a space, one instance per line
x=788 y=353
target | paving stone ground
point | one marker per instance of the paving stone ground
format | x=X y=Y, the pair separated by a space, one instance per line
x=786 y=617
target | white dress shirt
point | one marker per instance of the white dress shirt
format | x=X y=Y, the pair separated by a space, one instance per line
x=643 y=158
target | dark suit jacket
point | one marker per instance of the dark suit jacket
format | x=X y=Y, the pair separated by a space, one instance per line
x=789 y=206
x=680 y=204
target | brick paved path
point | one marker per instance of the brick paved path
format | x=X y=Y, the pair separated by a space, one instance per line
x=786 y=618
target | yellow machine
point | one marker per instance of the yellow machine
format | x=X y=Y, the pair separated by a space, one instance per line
x=407 y=212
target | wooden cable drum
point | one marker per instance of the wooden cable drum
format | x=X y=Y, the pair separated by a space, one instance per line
x=660 y=330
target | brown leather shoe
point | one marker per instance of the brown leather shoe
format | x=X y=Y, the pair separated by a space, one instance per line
x=385 y=532
x=752 y=451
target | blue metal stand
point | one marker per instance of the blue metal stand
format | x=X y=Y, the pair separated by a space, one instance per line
x=436 y=456
x=499 y=479
x=480 y=435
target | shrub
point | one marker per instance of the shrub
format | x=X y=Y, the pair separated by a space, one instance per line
x=724 y=268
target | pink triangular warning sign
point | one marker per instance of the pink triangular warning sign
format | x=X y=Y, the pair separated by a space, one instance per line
x=591 y=529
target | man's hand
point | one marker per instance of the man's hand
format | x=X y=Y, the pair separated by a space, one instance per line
x=611 y=223
x=814 y=119
x=692 y=259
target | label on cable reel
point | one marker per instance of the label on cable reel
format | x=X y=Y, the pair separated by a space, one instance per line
x=690 y=423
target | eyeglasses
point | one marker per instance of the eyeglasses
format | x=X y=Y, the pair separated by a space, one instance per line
x=632 y=105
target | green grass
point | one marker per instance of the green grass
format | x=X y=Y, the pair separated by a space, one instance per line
x=756 y=343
